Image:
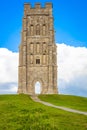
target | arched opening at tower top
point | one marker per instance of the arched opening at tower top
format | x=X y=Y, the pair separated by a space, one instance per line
x=37 y=87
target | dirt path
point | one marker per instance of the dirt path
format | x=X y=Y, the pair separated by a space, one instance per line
x=36 y=99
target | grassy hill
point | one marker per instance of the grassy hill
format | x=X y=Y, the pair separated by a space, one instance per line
x=74 y=102
x=19 y=112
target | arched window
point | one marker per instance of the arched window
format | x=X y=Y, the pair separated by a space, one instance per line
x=38 y=29
x=31 y=30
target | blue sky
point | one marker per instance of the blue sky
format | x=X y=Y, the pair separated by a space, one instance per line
x=70 y=21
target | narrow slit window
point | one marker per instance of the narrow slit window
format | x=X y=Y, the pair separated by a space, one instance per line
x=38 y=30
x=38 y=47
x=31 y=47
x=44 y=29
x=32 y=30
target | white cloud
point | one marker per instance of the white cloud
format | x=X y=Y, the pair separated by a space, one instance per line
x=72 y=70
x=8 y=70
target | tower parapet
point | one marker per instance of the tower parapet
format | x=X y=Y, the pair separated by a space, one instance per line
x=38 y=9
x=38 y=5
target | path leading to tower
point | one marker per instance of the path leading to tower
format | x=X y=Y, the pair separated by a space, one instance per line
x=36 y=99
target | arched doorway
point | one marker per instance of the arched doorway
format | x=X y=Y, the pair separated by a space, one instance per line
x=37 y=87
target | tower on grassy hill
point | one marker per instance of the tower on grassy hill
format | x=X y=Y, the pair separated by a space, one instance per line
x=37 y=51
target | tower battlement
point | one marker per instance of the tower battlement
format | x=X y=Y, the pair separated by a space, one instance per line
x=38 y=6
x=37 y=9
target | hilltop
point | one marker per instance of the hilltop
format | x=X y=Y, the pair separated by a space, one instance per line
x=20 y=112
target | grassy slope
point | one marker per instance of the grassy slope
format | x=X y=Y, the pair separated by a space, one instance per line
x=19 y=112
x=75 y=102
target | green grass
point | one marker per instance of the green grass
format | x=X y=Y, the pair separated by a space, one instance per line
x=75 y=102
x=19 y=112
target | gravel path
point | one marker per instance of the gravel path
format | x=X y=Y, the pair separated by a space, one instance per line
x=36 y=99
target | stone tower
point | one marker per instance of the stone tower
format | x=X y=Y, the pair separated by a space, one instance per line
x=37 y=51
